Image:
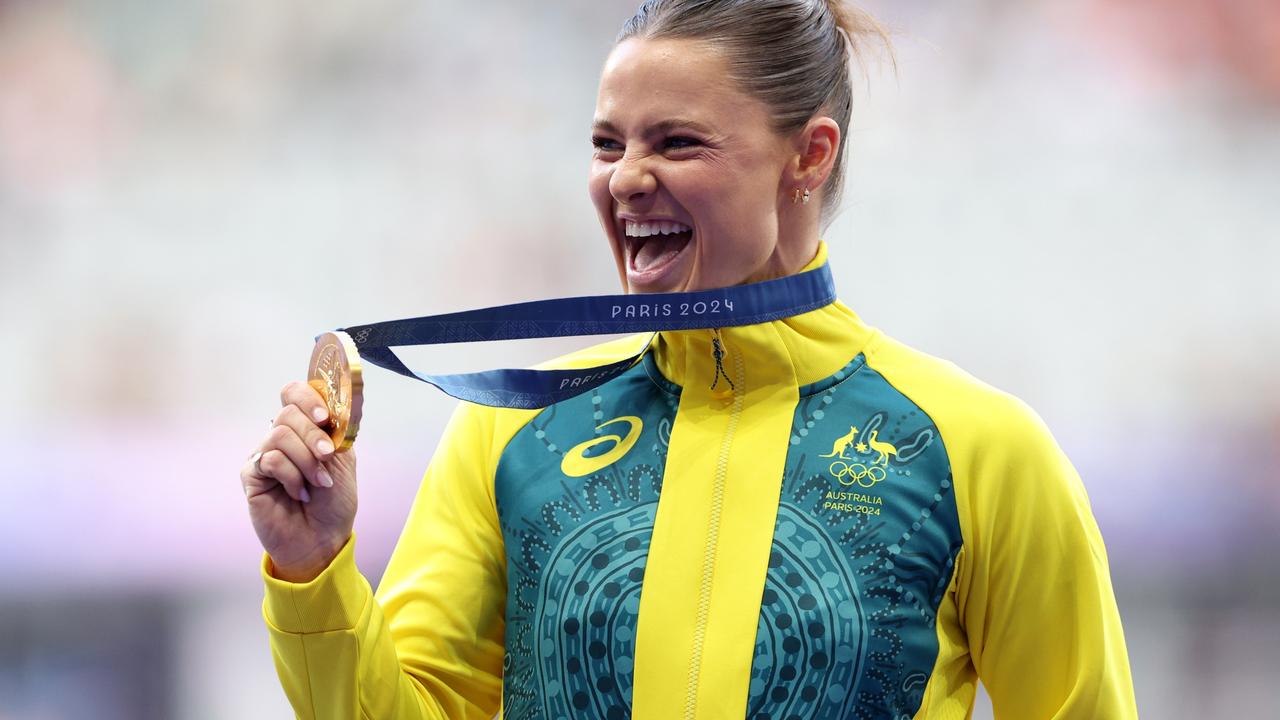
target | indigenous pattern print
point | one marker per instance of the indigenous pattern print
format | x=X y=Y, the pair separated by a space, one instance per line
x=576 y=549
x=863 y=550
x=864 y=547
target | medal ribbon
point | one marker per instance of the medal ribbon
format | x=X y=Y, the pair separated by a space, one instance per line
x=591 y=315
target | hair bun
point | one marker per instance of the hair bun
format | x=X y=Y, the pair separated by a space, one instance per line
x=857 y=24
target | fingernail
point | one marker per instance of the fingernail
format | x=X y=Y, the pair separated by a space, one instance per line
x=325 y=447
x=323 y=476
x=320 y=414
x=304 y=495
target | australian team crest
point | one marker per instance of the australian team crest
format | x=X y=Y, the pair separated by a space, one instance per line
x=862 y=458
x=851 y=471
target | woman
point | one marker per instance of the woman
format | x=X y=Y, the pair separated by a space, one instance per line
x=824 y=522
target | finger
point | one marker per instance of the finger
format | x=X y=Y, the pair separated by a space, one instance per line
x=284 y=439
x=250 y=480
x=254 y=478
x=274 y=468
x=313 y=437
x=305 y=397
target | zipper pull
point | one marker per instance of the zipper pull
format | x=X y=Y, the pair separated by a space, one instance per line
x=717 y=353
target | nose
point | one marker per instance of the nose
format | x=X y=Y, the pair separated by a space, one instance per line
x=632 y=179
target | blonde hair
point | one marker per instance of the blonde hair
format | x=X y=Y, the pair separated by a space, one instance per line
x=795 y=56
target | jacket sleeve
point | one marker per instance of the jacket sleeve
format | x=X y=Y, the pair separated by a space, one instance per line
x=1036 y=599
x=429 y=644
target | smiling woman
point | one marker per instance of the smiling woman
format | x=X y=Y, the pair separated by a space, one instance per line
x=708 y=119
x=798 y=518
x=689 y=177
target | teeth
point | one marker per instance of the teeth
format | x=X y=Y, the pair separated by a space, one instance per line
x=655 y=227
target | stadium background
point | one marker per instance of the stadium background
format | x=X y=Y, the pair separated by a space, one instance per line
x=1078 y=201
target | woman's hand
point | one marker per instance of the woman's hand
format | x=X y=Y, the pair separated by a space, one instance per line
x=302 y=495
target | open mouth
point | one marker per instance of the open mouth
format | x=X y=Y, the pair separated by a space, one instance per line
x=652 y=246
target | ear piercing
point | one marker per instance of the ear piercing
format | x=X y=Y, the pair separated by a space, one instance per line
x=797 y=197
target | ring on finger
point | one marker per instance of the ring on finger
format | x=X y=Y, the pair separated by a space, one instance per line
x=257 y=464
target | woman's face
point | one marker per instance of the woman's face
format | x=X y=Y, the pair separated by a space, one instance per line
x=687 y=175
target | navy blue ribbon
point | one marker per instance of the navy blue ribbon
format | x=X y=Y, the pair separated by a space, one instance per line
x=593 y=315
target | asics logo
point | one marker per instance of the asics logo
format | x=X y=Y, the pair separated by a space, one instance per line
x=577 y=464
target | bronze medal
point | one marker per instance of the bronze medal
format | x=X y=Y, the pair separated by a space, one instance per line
x=335 y=373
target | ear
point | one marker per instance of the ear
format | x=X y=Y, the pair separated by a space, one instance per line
x=816 y=146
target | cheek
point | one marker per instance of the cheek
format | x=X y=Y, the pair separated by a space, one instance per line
x=728 y=204
x=737 y=211
x=598 y=182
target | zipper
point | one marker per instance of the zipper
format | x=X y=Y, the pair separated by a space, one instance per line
x=718 y=352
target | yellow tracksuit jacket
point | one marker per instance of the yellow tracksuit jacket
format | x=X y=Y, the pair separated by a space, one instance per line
x=826 y=524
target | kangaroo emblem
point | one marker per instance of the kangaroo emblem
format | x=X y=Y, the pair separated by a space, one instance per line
x=884 y=448
x=842 y=443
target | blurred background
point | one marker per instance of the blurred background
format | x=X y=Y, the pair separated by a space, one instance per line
x=1076 y=200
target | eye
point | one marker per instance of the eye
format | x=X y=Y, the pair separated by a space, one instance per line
x=680 y=142
x=604 y=144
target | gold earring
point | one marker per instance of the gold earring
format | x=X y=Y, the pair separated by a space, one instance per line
x=795 y=196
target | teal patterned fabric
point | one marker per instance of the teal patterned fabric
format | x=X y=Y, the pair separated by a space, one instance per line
x=576 y=551
x=864 y=547
x=863 y=550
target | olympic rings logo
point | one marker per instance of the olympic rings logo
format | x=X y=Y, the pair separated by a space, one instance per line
x=858 y=474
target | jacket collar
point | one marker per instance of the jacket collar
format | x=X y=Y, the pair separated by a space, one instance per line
x=801 y=349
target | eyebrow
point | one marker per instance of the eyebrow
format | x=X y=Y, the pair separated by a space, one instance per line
x=658 y=128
